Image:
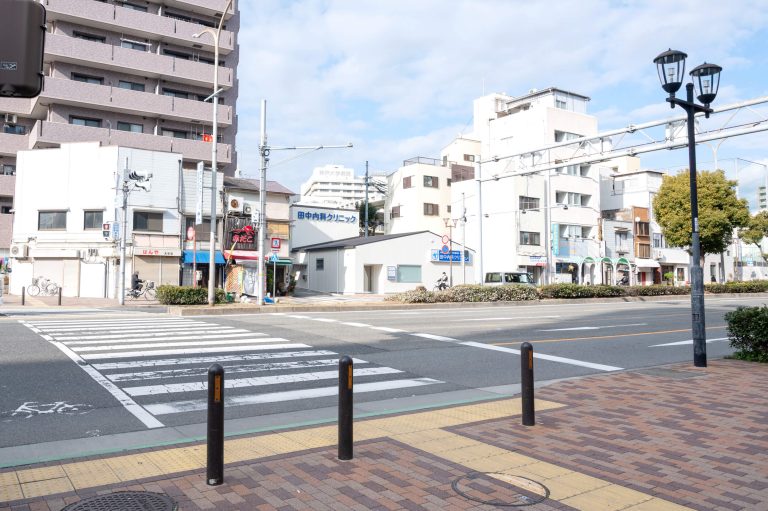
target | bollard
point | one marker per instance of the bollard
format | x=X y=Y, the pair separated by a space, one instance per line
x=345 y=408
x=59 y=295
x=23 y=295
x=526 y=366
x=215 y=470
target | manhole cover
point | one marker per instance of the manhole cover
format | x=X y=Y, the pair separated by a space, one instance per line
x=125 y=501
x=497 y=489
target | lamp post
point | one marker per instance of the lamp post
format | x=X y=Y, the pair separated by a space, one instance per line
x=671 y=67
x=214 y=144
x=450 y=223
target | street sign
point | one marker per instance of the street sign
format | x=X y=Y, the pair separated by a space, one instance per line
x=273 y=258
x=445 y=249
x=199 y=203
x=275 y=243
x=446 y=239
x=116 y=230
x=438 y=256
x=190 y=233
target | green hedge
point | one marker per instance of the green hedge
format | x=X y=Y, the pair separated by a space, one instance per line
x=469 y=293
x=657 y=290
x=186 y=295
x=748 y=332
x=750 y=286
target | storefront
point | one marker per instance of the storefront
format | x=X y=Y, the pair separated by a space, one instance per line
x=202 y=260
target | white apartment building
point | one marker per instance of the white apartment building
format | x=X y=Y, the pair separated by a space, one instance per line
x=133 y=74
x=545 y=223
x=337 y=186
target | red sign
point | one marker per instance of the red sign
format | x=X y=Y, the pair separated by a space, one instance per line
x=190 y=233
x=207 y=137
x=243 y=235
x=275 y=242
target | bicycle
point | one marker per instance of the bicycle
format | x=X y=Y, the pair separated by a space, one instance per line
x=147 y=290
x=42 y=285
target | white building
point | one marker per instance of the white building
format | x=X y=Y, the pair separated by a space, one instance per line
x=337 y=186
x=65 y=195
x=312 y=224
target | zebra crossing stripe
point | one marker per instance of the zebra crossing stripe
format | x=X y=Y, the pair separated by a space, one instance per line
x=194 y=332
x=161 y=339
x=191 y=351
x=115 y=328
x=130 y=364
x=196 y=405
x=258 y=381
x=119 y=321
x=114 y=347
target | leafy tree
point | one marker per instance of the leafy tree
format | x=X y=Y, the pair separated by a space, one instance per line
x=720 y=211
x=756 y=229
x=371 y=218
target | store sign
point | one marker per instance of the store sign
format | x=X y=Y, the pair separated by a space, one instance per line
x=162 y=252
x=326 y=217
x=438 y=256
x=241 y=233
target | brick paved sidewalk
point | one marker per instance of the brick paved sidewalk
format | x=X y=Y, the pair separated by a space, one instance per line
x=671 y=438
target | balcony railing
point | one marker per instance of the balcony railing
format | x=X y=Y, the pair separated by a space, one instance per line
x=424 y=161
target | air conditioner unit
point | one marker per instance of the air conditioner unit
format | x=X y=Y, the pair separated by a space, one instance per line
x=11 y=118
x=247 y=209
x=89 y=252
x=657 y=254
x=19 y=250
x=235 y=204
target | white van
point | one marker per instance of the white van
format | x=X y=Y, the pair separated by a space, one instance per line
x=498 y=278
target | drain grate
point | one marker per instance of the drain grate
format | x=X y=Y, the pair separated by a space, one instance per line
x=125 y=501
x=501 y=490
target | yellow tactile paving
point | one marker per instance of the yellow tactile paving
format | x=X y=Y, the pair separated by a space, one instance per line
x=90 y=473
x=172 y=461
x=608 y=498
x=40 y=474
x=134 y=466
x=47 y=487
x=657 y=505
x=10 y=493
x=8 y=478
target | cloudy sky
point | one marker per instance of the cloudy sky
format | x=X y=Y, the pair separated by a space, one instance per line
x=397 y=78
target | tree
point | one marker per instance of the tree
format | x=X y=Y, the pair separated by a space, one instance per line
x=756 y=229
x=720 y=211
x=371 y=218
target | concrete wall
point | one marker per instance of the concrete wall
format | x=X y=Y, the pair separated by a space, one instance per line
x=309 y=231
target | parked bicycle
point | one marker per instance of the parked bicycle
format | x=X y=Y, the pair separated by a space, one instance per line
x=147 y=290
x=42 y=286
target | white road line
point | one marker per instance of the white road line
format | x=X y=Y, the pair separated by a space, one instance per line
x=209 y=360
x=292 y=395
x=689 y=341
x=115 y=347
x=107 y=321
x=258 y=381
x=159 y=339
x=436 y=337
x=138 y=327
x=352 y=323
x=325 y=320
x=590 y=327
x=192 y=351
x=230 y=368
x=195 y=332
x=296 y=316
x=542 y=356
x=531 y=318
x=387 y=329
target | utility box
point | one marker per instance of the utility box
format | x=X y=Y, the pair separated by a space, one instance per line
x=22 y=41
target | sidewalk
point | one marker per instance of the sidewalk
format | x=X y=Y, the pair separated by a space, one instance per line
x=671 y=438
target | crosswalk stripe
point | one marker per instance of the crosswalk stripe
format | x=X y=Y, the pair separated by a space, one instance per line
x=194 y=332
x=107 y=366
x=114 y=347
x=230 y=369
x=116 y=321
x=258 y=381
x=139 y=326
x=191 y=351
x=291 y=395
x=160 y=339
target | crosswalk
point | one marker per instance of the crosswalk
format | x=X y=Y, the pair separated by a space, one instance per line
x=158 y=366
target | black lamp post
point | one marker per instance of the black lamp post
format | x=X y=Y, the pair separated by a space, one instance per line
x=706 y=77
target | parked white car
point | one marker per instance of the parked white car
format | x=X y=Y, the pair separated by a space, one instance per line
x=498 y=278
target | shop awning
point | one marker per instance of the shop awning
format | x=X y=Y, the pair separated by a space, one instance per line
x=202 y=257
x=588 y=259
x=647 y=263
x=622 y=260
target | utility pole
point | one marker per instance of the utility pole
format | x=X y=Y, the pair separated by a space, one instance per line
x=463 y=240
x=141 y=180
x=450 y=223
x=365 y=225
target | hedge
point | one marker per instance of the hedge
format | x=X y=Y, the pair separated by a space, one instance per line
x=186 y=295
x=748 y=332
x=469 y=293
x=749 y=286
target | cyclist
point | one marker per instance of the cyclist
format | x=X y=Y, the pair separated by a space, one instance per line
x=442 y=282
x=136 y=282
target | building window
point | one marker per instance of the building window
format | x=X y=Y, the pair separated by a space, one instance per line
x=202 y=231
x=469 y=157
x=175 y=93
x=175 y=133
x=134 y=45
x=572 y=198
x=177 y=54
x=85 y=121
x=409 y=273
x=139 y=87
x=658 y=240
x=92 y=219
x=431 y=209
x=319 y=264
x=571 y=170
x=135 y=7
x=430 y=182
x=449 y=181
x=51 y=220
x=96 y=80
x=448 y=207
x=8 y=169
x=14 y=129
x=564 y=136
x=530 y=238
x=5 y=210
x=644 y=251
x=149 y=221
x=407 y=182
x=642 y=228
x=89 y=37
x=527 y=203
x=129 y=126
x=621 y=241
x=394 y=212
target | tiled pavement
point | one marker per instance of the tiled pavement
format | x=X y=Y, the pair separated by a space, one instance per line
x=673 y=438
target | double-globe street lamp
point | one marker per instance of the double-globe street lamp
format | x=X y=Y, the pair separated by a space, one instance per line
x=214 y=146
x=706 y=78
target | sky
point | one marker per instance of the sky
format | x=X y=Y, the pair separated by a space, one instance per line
x=397 y=78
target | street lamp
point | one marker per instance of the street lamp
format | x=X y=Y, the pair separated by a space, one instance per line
x=706 y=77
x=214 y=145
x=450 y=223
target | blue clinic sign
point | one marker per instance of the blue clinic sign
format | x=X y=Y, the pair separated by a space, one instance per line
x=437 y=256
x=326 y=217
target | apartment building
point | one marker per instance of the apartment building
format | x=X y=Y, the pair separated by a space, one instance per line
x=337 y=186
x=130 y=73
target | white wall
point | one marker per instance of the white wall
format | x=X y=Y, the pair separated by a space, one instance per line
x=309 y=231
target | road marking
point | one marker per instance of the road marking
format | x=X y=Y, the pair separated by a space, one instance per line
x=551 y=358
x=689 y=341
x=591 y=327
x=596 y=337
x=258 y=381
x=504 y=318
x=291 y=395
x=114 y=347
x=208 y=360
x=325 y=320
x=118 y=321
x=387 y=329
x=297 y=316
x=352 y=323
x=436 y=337
x=223 y=331
x=158 y=339
x=192 y=351
x=114 y=328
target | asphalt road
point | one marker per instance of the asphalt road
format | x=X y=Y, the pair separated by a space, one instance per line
x=98 y=374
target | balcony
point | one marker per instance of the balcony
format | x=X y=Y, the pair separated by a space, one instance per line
x=135 y=23
x=99 y=55
x=52 y=134
x=115 y=99
x=208 y=7
x=578 y=247
x=11 y=144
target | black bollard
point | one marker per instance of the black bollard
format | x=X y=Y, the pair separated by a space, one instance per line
x=526 y=367
x=345 y=408
x=215 y=471
x=23 y=295
x=59 y=295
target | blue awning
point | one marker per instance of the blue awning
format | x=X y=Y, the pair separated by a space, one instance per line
x=202 y=257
